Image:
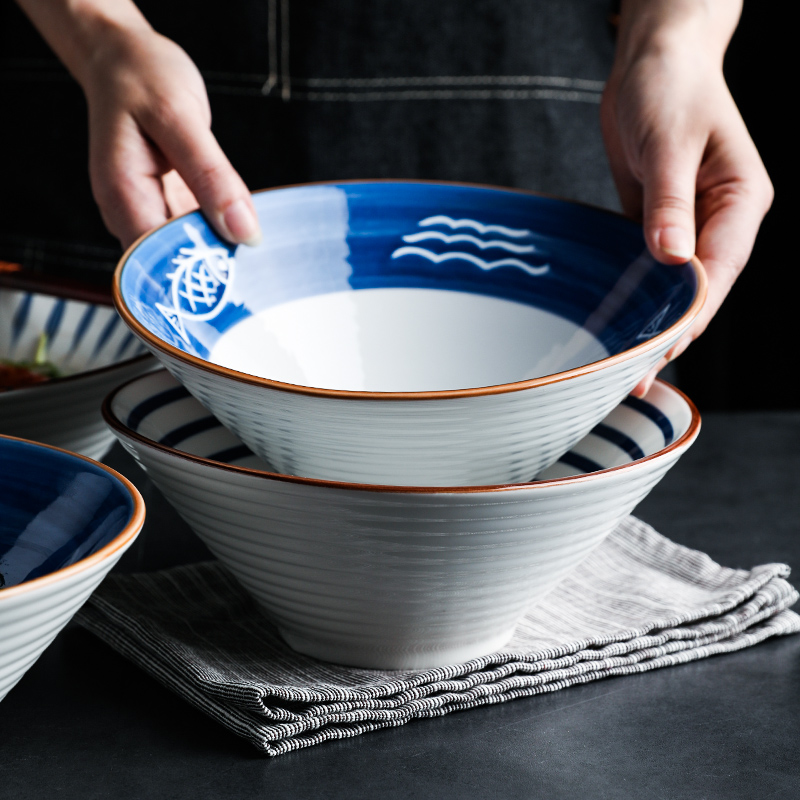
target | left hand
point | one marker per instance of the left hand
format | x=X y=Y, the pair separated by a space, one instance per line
x=680 y=153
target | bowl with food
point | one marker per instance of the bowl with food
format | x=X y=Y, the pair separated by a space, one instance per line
x=59 y=358
x=409 y=333
x=65 y=520
x=396 y=577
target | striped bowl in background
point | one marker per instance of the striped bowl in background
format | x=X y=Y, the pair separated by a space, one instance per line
x=94 y=352
x=386 y=576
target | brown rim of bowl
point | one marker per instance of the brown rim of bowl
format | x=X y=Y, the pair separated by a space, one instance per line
x=121 y=429
x=119 y=542
x=155 y=343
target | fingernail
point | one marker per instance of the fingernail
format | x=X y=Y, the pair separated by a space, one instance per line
x=676 y=242
x=241 y=223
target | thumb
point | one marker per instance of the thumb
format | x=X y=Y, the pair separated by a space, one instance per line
x=669 y=181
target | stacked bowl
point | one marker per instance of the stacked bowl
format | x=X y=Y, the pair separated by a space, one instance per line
x=401 y=419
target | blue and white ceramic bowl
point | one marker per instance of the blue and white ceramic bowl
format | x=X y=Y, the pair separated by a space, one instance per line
x=408 y=333
x=93 y=351
x=64 y=522
x=387 y=576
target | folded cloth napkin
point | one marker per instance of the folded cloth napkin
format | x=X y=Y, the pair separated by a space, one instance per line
x=638 y=602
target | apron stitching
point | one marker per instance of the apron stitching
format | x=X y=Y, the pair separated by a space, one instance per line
x=454 y=80
x=286 y=87
x=272 y=46
x=454 y=94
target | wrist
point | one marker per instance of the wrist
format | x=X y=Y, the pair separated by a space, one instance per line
x=79 y=30
x=659 y=27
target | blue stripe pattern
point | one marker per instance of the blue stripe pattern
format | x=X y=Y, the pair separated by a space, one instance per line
x=140 y=411
x=124 y=344
x=579 y=462
x=618 y=438
x=652 y=413
x=238 y=451
x=21 y=317
x=175 y=437
x=83 y=326
x=104 y=336
x=54 y=320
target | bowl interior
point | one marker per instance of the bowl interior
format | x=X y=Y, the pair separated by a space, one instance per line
x=55 y=509
x=78 y=336
x=156 y=407
x=395 y=287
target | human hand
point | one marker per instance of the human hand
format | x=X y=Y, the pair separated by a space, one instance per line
x=151 y=151
x=680 y=153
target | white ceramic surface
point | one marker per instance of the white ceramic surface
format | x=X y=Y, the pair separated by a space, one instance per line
x=404 y=340
x=395 y=577
x=90 y=346
x=33 y=611
x=409 y=333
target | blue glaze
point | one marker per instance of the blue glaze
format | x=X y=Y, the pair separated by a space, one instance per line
x=83 y=326
x=187 y=287
x=650 y=411
x=55 y=509
x=618 y=438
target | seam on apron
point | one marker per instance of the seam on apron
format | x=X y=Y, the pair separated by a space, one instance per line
x=286 y=82
x=453 y=94
x=272 y=51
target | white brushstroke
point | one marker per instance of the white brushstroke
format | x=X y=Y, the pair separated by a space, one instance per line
x=478 y=262
x=465 y=237
x=440 y=219
x=200 y=272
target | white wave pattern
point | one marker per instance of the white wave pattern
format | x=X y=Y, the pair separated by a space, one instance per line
x=437 y=258
x=482 y=244
x=440 y=219
x=413 y=238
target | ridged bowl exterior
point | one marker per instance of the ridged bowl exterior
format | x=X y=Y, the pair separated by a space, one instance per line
x=66 y=413
x=396 y=581
x=461 y=441
x=30 y=621
x=395 y=577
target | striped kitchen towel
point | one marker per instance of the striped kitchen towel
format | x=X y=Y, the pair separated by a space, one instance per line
x=639 y=602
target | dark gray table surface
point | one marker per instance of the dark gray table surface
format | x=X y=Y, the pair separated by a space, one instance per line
x=84 y=723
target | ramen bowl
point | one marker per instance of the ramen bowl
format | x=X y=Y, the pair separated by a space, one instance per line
x=408 y=333
x=396 y=577
x=64 y=522
x=87 y=350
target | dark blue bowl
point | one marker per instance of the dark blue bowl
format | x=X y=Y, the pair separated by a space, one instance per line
x=56 y=509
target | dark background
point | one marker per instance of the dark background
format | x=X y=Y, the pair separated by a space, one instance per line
x=743 y=361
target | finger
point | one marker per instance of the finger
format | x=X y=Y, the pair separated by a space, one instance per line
x=178 y=196
x=125 y=175
x=196 y=155
x=643 y=387
x=669 y=180
x=628 y=187
x=726 y=239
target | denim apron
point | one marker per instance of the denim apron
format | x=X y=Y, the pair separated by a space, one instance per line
x=492 y=91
